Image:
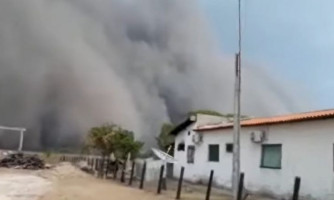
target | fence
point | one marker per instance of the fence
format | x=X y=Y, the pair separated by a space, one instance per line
x=152 y=169
x=149 y=175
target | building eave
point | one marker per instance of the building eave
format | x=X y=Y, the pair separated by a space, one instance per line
x=283 y=119
x=190 y=120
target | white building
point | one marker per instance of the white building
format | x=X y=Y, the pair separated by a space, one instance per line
x=274 y=151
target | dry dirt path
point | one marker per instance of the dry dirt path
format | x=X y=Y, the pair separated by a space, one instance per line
x=95 y=189
x=66 y=182
x=69 y=183
x=22 y=185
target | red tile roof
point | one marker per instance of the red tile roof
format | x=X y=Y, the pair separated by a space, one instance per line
x=322 y=114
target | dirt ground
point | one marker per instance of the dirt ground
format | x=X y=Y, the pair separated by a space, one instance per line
x=88 y=187
x=67 y=182
x=64 y=182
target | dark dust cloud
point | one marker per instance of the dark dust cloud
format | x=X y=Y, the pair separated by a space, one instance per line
x=68 y=65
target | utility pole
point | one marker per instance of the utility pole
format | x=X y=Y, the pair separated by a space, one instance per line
x=236 y=121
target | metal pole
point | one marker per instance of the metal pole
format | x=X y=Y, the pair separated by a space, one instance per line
x=21 y=130
x=21 y=140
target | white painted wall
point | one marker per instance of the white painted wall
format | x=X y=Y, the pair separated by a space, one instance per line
x=307 y=151
x=152 y=168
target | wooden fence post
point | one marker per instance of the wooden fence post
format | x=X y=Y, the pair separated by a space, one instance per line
x=160 y=179
x=241 y=186
x=123 y=172
x=115 y=171
x=141 y=185
x=132 y=170
x=209 y=186
x=296 y=189
x=179 y=187
x=96 y=164
x=102 y=167
x=107 y=168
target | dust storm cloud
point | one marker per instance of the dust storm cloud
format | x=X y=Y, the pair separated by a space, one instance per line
x=67 y=65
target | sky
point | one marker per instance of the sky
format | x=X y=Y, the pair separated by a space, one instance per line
x=292 y=38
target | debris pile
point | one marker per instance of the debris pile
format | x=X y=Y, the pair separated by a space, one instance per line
x=20 y=161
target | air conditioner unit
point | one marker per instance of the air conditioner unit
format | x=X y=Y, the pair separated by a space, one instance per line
x=197 y=138
x=258 y=136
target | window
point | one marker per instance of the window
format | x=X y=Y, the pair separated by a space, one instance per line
x=190 y=154
x=188 y=132
x=180 y=147
x=229 y=147
x=214 y=152
x=271 y=156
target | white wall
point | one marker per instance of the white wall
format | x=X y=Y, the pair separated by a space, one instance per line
x=307 y=151
x=200 y=170
x=181 y=156
x=152 y=169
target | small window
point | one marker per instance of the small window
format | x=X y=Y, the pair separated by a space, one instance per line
x=229 y=147
x=190 y=154
x=271 y=156
x=188 y=132
x=180 y=146
x=214 y=152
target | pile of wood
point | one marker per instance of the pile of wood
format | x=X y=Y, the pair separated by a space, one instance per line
x=20 y=161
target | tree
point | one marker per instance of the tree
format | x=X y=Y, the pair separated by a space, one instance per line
x=165 y=139
x=107 y=139
x=97 y=138
x=122 y=142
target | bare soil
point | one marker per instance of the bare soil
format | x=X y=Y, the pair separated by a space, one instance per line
x=66 y=182
x=22 y=185
x=87 y=187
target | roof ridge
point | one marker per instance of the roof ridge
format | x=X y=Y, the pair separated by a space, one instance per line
x=294 y=113
x=312 y=115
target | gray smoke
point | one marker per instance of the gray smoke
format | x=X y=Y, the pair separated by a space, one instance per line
x=68 y=65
